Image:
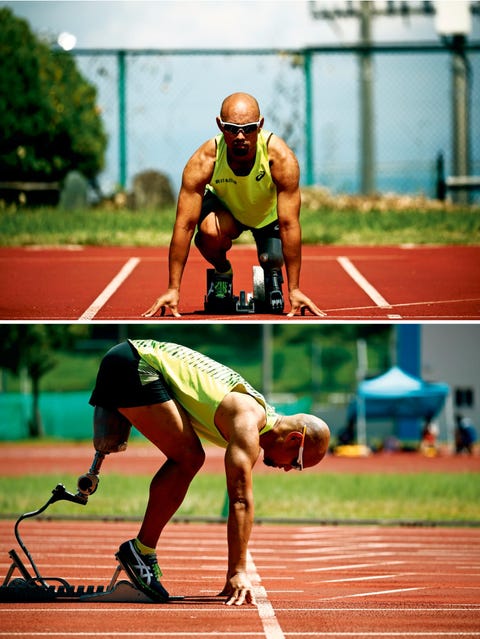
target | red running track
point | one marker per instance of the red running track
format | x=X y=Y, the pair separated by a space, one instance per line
x=310 y=581
x=29 y=458
x=419 y=283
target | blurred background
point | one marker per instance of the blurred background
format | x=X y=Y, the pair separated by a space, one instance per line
x=420 y=375
x=372 y=96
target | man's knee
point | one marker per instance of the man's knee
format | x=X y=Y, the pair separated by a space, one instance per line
x=192 y=458
x=216 y=232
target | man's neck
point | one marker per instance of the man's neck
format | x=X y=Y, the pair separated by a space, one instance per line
x=241 y=166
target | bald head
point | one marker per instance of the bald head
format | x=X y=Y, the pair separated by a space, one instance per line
x=240 y=108
x=317 y=436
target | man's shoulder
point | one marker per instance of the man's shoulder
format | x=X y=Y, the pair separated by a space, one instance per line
x=206 y=151
x=277 y=147
x=202 y=162
x=283 y=161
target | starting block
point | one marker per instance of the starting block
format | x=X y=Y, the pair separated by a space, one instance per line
x=31 y=588
x=34 y=587
x=28 y=588
x=267 y=296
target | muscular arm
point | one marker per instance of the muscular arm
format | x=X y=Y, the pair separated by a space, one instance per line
x=238 y=469
x=196 y=175
x=239 y=417
x=286 y=176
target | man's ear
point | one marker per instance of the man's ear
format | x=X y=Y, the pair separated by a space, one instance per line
x=294 y=436
x=218 y=123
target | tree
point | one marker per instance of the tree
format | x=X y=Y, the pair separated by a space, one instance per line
x=49 y=119
x=29 y=348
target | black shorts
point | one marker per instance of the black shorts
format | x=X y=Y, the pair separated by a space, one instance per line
x=212 y=203
x=119 y=383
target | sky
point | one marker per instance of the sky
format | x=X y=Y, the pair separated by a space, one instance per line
x=207 y=23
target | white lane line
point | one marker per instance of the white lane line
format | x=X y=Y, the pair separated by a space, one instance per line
x=339 y=556
x=403 y=634
x=362 y=282
x=240 y=634
x=372 y=594
x=32 y=609
x=266 y=612
x=369 y=578
x=142 y=634
x=354 y=566
x=110 y=289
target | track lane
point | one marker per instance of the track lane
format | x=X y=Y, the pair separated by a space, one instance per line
x=375 y=582
x=418 y=283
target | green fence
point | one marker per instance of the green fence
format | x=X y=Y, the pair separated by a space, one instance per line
x=64 y=415
x=159 y=105
x=69 y=415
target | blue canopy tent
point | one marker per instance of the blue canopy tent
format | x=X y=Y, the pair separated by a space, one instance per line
x=396 y=394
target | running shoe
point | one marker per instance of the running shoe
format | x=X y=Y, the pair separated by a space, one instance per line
x=221 y=286
x=143 y=570
x=219 y=298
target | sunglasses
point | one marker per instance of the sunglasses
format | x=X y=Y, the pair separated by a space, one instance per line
x=235 y=129
x=298 y=465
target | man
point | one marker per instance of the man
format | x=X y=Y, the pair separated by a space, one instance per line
x=245 y=178
x=174 y=396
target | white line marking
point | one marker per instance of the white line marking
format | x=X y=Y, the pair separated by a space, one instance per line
x=265 y=609
x=110 y=289
x=369 y=578
x=362 y=282
x=354 y=566
x=180 y=635
x=371 y=594
x=410 y=304
x=339 y=556
x=403 y=635
x=244 y=610
x=144 y=633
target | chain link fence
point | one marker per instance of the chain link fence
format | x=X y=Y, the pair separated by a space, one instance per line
x=161 y=106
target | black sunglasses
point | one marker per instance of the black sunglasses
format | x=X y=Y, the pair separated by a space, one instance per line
x=235 y=129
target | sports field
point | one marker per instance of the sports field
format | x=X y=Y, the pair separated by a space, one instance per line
x=310 y=580
x=367 y=582
x=419 y=283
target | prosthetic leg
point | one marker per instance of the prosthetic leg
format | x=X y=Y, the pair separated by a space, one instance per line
x=269 y=296
x=111 y=432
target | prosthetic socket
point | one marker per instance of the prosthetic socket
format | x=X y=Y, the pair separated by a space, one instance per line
x=110 y=435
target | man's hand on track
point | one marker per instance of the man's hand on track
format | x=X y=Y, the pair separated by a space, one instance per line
x=238 y=590
x=300 y=301
x=168 y=300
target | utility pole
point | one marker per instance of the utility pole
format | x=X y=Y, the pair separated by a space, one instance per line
x=453 y=24
x=364 y=11
x=367 y=128
x=267 y=361
x=460 y=113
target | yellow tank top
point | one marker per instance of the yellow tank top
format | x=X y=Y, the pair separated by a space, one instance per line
x=197 y=382
x=252 y=199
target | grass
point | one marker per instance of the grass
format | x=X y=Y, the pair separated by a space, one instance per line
x=354 y=222
x=407 y=497
x=373 y=228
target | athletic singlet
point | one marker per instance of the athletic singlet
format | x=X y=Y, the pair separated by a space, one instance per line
x=198 y=383
x=251 y=199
